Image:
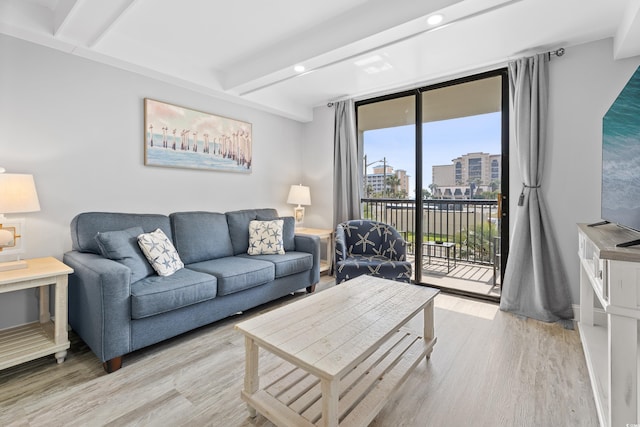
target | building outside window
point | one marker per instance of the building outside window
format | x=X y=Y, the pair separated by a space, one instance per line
x=481 y=175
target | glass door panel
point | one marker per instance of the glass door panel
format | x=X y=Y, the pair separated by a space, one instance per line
x=387 y=132
x=462 y=162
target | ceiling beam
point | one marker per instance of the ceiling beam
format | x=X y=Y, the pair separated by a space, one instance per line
x=373 y=17
x=86 y=23
x=112 y=20
x=61 y=15
x=627 y=40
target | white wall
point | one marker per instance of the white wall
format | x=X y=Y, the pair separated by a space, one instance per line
x=77 y=126
x=317 y=165
x=583 y=84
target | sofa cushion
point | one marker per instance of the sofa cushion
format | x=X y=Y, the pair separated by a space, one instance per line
x=238 y=222
x=288 y=230
x=159 y=294
x=373 y=265
x=122 y=246
x=200 y=236
x=85 y=226
x=265 y=237
x=235 y=273
x=287 y=264
x=160 y=252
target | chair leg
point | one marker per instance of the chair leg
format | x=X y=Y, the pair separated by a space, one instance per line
x=311 y=289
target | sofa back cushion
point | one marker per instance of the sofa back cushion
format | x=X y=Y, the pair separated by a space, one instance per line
x=122 y=246
x=239 y=226
x=200 y=236
x=85 y=226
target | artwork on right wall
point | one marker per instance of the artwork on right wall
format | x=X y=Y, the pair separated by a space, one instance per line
x=621 y=157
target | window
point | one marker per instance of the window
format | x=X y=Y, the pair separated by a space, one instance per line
x=458 y=172
x=495 y=169
x=475 y=170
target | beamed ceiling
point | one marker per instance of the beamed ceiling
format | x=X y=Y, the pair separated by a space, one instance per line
x=246 y=50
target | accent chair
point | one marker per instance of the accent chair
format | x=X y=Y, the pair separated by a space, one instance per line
x=372 y=248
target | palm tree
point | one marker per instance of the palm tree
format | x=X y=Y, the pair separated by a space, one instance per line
x=473 y=184
x=394 y=182
x=434 y=188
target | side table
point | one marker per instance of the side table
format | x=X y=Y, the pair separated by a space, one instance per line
x=31 y=341
x=325 y=235
x=434 y=249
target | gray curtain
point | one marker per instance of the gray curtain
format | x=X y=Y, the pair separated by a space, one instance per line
x=346 y=165
x=535 y=283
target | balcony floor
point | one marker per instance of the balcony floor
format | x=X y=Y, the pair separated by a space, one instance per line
x=472 y=278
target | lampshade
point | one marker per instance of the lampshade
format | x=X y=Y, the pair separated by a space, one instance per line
x=18 y=193
x=299 y=195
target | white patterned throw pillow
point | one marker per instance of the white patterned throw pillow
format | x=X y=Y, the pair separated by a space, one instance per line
x=160 y=252
x=265 y=237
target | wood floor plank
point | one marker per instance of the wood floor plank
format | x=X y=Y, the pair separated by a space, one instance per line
x=488 y=368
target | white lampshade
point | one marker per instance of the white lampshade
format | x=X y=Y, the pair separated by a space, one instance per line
x=299 y=195
x=18 y=193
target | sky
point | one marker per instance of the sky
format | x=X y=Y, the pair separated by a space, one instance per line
x=443 y=141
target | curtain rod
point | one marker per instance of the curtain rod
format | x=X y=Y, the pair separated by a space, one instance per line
x=558 y=52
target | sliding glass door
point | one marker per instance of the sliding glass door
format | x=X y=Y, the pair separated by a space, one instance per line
x=435 y=168
x=389 y=134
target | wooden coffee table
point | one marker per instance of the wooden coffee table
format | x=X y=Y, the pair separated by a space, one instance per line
x=344 y=349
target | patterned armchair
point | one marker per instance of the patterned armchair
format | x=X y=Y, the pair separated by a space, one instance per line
x=372 y=248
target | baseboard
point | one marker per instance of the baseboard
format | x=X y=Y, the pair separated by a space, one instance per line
x=599 y=315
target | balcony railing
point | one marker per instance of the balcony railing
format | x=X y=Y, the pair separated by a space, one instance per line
x=471 y=224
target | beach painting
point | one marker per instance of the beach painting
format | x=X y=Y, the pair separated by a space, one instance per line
x=183 y=138
x=621 y=157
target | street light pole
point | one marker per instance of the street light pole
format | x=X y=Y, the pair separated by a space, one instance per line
x=384 y=192
x=384 y=182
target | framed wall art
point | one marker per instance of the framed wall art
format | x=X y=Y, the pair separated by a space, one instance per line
x=183 y=138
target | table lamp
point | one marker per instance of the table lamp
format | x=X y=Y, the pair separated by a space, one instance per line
x=17 y=194
x=299 y=195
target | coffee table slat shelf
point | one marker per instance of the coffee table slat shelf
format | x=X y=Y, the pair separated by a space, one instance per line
x=345 y=352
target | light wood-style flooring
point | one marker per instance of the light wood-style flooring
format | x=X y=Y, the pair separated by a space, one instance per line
x=488 y=368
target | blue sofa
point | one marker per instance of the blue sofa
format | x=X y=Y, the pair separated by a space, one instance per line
x=117 y=304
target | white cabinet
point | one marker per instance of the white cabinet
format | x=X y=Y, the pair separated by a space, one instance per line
x=609 y=314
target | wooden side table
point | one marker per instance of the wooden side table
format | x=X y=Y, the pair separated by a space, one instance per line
x=27 y=342
x=325 y=235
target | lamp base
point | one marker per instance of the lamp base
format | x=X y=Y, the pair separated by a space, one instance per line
x=298 y=214
x=13 y=265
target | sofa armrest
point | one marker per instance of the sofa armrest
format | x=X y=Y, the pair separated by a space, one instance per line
x=341 y=244
x=310 y=244
x=99 y=303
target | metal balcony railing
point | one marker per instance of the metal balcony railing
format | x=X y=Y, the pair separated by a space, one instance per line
x=471 y=224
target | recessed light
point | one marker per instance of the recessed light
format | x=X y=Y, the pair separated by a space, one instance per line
x=299 y=68
x=435 y=19
x=369 y=60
